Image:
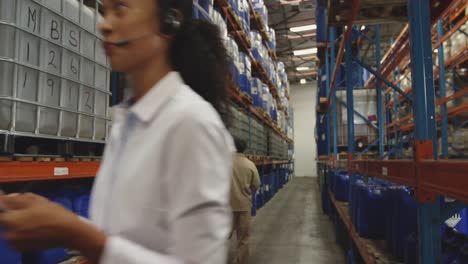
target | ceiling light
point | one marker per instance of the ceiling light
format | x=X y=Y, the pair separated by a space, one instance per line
x=309 y=73
x=305 y=52
x=312 y=57
x=303 y=28
x=302 y=68
x=300 y=36
x=303 y=81
x=293 y=2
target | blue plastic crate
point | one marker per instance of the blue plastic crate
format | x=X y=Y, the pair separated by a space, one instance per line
x=8 y=255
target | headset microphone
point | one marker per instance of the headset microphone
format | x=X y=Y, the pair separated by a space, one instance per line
x=170 y=24
x=126 y=42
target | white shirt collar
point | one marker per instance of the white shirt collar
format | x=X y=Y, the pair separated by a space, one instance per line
x=147 y=107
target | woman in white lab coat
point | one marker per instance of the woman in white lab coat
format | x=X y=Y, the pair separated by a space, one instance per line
x=161 y=195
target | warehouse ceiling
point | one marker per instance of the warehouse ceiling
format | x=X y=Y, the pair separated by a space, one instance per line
x=284 y=14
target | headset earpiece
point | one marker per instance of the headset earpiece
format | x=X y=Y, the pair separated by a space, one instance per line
x=170 y=23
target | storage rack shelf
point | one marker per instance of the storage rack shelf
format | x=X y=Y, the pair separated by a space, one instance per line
x=371 y=251
x=258 y=23
x=459 y=58
x=40 y=171
x=13 y=171
x=430 y=23
x=244 y=100
x=244 y=43
x=35 y=171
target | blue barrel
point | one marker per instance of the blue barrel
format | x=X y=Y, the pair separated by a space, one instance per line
x=259 y=196
x=256 y=53
x=372 y=213
x=244 y=83
x=361 y=212
x=342 y=186
x=52 y=256
x=411 y=249
x=463 y=255
x=234 y=72
x=391 y=203
x=234 y=5
x=353 y=203
x=195 y=13
x=407 y=220
x=462 y=225
x=81 y=205
x=253 y=211
x=452 y=244
x=206 y=4
x=8 y=255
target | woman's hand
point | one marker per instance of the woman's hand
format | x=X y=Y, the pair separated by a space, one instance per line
x=35 y=223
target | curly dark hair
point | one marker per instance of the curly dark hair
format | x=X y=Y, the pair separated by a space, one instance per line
x=199 y=55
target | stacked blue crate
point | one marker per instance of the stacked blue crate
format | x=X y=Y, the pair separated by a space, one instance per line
x=8 y=255
x=341 y=186
x=256 y=40
x=321 y=136
x=56 y=255
x=255 y=91
x=253 y=211
x=73 y=199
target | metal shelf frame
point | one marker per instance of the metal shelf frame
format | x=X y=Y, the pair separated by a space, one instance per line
x=12 y=171
x=429 y=172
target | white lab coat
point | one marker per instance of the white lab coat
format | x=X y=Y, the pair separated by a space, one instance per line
x=162 y=191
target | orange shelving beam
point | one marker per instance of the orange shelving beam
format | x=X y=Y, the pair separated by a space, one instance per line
x=33 y=171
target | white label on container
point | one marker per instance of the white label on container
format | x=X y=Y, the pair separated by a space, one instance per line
x=384 y=171
x=453 y=221
x=61 y=171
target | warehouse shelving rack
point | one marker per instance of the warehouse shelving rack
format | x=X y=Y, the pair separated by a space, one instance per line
x=236 y=30
x=430 y=173
x=17 y=171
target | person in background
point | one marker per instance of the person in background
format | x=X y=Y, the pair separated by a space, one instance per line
x=245 y=181
x=162 y=192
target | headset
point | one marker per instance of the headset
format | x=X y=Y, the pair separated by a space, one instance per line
x=170 y=24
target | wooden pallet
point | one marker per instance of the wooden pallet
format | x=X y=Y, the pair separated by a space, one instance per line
x=376 y=250
x=75 y=260
x=42 y=149
x=31 y=158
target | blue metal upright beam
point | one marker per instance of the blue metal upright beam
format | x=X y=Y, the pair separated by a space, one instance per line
x=327 y=89
x=349 y=97
x=396 y=111
x=332 y=37
x=442 y=93
x=424 y=120
x=380 y=106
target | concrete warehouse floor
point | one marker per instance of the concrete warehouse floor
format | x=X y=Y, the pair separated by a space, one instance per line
x=291 y=229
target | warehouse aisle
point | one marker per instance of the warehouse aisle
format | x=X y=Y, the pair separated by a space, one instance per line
x=291 y=229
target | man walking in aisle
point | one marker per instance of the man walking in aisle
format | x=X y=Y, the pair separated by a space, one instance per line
x=245 y=181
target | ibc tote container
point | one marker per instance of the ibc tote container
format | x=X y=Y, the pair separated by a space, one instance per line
x=54 y=76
